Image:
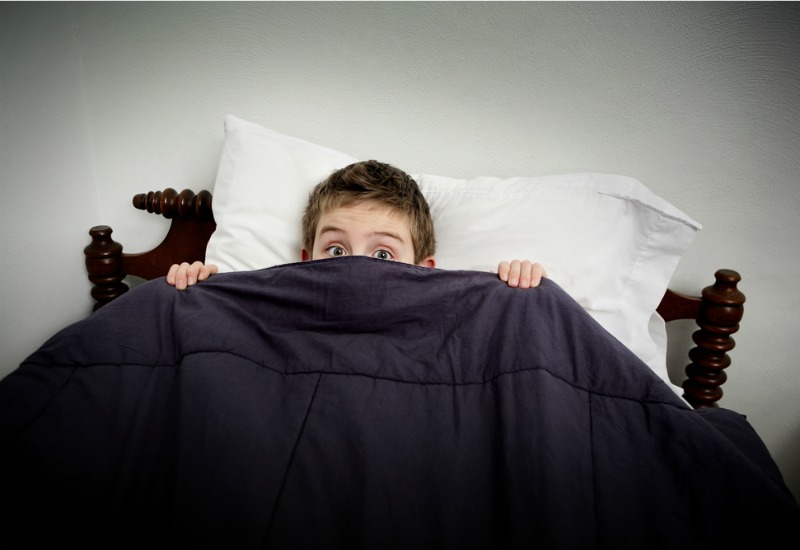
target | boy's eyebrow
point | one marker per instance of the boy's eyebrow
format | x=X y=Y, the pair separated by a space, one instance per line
x=329 y=229
x=334 y=229
x=390 y=235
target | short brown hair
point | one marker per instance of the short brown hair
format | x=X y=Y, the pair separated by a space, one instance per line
x=375 y=182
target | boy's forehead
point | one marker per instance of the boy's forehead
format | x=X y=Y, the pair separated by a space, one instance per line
x=364 y=213
x=366 y=206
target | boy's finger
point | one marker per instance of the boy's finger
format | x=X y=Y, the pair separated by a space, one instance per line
x=513 y=275
x=173 y=269
x=525 y=274
x=502 y=271
x=537 y=274
x=181 y=277
x=207 y=271
x=192 y=272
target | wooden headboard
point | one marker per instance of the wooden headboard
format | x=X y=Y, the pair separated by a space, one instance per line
x=717 y=310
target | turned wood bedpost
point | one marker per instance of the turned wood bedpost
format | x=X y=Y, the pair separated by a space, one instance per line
x=104 y=266
x=192 y=223
x=721 y=310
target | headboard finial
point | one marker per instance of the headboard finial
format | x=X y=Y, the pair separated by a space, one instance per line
x=721 y=310
x=171 y=204
x=103 y=258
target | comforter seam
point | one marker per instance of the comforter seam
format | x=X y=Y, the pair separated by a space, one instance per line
x=291 y=461
x=636 y=399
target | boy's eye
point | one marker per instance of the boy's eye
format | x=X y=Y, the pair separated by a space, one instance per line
x=336 y=251
x=383 y=255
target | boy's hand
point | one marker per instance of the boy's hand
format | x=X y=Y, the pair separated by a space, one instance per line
x=185 y=275
x=524 y=274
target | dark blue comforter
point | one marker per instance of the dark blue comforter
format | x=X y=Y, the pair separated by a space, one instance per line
x=355 y=403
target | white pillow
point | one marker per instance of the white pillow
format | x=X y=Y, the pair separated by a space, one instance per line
x=607 y=240
x=261 y=190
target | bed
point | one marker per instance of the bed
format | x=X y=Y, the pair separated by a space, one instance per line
x=357 y=403
x=717 y=309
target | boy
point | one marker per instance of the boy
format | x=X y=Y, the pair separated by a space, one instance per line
x=368 y=209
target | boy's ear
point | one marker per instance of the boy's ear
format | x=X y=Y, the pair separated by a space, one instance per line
x=428 y=262
x=304 y=255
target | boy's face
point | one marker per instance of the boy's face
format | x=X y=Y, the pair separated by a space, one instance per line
x=364 y=229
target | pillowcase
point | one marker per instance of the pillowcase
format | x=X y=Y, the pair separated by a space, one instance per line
x=260 y=193
x=607 y=240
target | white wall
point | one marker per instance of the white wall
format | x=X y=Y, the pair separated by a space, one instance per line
x=699 y=101
x=47 y=184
